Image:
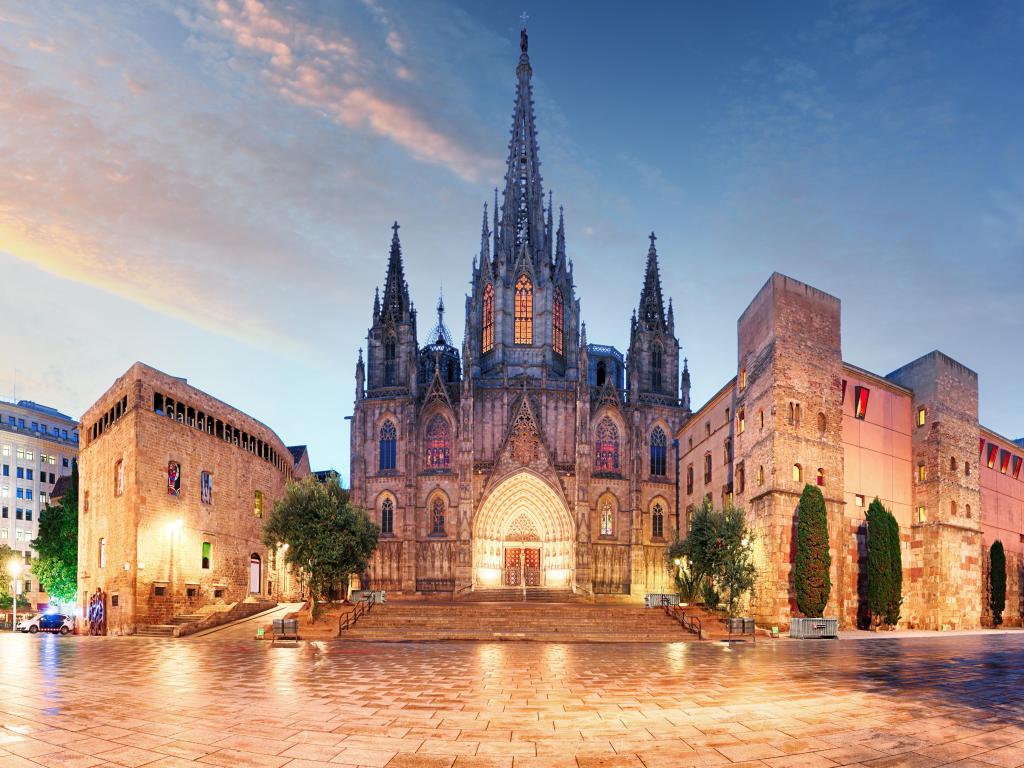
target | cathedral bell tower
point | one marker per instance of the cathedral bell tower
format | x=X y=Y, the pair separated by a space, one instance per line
x=391 y=342
x=523 y=313
x=653 y=362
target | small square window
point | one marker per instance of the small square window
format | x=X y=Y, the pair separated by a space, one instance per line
x=160 y=591
x=922 y=515
x=859 y=500
x=922 y=416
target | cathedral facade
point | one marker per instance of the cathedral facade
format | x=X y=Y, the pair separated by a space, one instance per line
x=528 y=458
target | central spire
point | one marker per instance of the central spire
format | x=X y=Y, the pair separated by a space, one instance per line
x=522 y=210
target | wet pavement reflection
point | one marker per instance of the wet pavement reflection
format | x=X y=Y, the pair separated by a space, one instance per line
x=79 y=701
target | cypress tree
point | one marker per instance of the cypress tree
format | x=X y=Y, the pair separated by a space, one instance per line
x=892 y=610
x=811 y=570
x=997 y=581
x=880 y=577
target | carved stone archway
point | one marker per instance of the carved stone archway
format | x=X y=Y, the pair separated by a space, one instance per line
x=523 y=511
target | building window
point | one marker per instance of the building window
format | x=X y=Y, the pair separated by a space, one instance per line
x=707 y=429
x=602 y=373
x=798 y=473
x=606 y=446
x=992 y=452
x=119 y=477
x=438 y=443
x=760 y=474
x=388 y=446
x=922 y=415
x=1004 y=461
x=740 y=479
x=922 y=514
x=390 y=362
x=524 y=311
x=487 y=321
x=206 y=488
x=85 y=502
x=659 y=447
x=922 y=473
x=820 y=476
x=952 y=463
x=967 y=510
x=558 y=323
x=860 y=402
x=437 y=517
x=656 y=360
x=387 y=518
x=689 y=478
x=173 y=478
x=760 y=419
x=707 y=468
x=952 y=508
x=727 y=453
x=822 y=424
x=657 y=522
x=207 y=555
x=1017 y=461
x=607 y=518
x=741 y=420
x=257 y=503
x=743 y=378
x=103 y=553
x=859 y=500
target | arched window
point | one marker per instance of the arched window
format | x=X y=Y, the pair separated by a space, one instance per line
x=727 y=448
x=487 y=321
x=792 y=417
x=607 y=518
x=524 y=311
x=390 y=374
x=820 y=477
x=952 y=463
x=967 y=510
x=207 y=559
x=602 y=373
x=822 y=423
x=173 y=478
x=659 y=445
x=438 y=443
x=387 y=518
x=689 y=478
x=798 y=473
x=558 y=323
x=388 y=446
x=657 y=522
x=707 y=468
x=606 y=446
x=437 y=517
x=760 y=474
x=656 y=356
x=741 y=420
x=952 y=508
x=741 y=478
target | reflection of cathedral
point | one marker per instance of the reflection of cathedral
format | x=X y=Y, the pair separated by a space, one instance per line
x=533 y=457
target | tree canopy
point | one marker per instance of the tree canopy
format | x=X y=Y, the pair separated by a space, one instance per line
x=811 y=579
x=56 y=567
x=326 y=536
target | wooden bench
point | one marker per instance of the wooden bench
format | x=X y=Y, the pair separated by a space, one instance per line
x=285 y=629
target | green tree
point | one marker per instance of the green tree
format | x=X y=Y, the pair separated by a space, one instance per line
x=326 y=536
x=811 y=569
x=717 y=552
x=56 y=567
x=885 y=566
x=997 y=581
x=7 y=554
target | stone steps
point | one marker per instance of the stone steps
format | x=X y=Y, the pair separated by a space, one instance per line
x=516 y=595
x=155 y=630
x=546 y=622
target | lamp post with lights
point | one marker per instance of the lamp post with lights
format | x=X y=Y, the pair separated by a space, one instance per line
x=14 y=568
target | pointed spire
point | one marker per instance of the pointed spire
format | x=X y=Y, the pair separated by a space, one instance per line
x=652 y=308
x=376 y=304
x=397 y=304
x=671 y=317
x=522 y=212
x=549 y=227
x=439 y=334
x=685 y=402
x=560 y=238
x=485 y=240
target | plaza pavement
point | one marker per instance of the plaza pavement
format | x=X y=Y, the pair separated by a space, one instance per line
x=78 y=702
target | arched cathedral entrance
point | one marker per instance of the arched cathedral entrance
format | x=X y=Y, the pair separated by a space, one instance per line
x=523 y=535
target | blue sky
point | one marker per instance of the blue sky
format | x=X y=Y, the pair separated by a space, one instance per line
x=209 y=186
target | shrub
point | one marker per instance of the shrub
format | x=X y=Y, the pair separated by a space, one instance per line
x=811 y=569
x=997 y=581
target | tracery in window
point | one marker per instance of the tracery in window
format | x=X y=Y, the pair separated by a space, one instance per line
x=438 y=443
x=437 y=517
x=607 y=518
x=487 y=341
x=558 y=323
x=657 y=522
x=387 y=517
x=606 y=446
x=524 y=311
x=659 y=447
x=388 y=446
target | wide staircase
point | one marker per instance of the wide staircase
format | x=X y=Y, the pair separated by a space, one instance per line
x=516 y=595
x=534 y=619
x=167 y=630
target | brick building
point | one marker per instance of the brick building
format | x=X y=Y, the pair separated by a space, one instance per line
x=532 y=458
x=173 y=486
x=797 y=413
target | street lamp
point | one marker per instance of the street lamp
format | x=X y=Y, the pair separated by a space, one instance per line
x=14 y=567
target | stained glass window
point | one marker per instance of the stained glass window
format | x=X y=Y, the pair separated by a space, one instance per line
x=437 y=517
x=173 y=478
x=606 y=446
x=388 y=446
x=524 y=311
x=488 y=319
x=659 y=446
x=558 y=323
x=438 y=443
x=387 y=517
x=657 y=522
x=607 y=518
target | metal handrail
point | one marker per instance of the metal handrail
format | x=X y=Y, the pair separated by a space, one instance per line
x=691 y=624
x=361 y=609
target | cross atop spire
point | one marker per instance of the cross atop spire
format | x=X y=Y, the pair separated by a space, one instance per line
x=652 y=308
x=396 y=304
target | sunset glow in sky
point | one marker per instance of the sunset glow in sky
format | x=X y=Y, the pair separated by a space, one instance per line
x=208 y=186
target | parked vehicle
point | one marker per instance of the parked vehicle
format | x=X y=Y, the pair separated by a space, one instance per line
x=47 y=622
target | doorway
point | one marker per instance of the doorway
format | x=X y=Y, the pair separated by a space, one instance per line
x=255 y=574
x=522 y=566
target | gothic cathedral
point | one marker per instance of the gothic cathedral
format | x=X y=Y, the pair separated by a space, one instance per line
x=532 y=459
